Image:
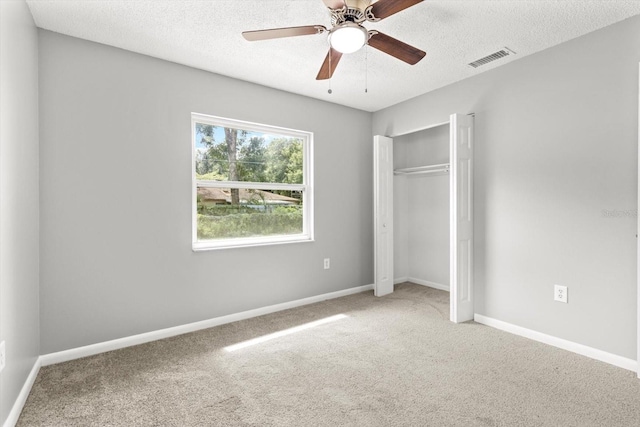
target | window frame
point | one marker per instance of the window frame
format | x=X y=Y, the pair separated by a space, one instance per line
x=306 y=188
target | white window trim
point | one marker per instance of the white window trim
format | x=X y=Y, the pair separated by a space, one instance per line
x=306 y=187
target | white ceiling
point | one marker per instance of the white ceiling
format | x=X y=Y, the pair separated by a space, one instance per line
x=206 y=34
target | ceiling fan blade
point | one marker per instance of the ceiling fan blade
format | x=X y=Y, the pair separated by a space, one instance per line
x=276 y=33
x=329 y=64
x=386 y=8
x=334 y=4
x=396 y=48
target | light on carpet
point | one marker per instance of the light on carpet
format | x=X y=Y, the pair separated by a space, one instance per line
x=285 y=332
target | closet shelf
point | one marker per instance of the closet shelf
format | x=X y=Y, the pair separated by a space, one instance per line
x=422 y=169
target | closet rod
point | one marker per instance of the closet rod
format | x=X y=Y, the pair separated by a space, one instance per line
x=422 y=169
x=420 y=172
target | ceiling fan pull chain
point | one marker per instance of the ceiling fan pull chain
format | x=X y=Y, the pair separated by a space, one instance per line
x=366 y=69
x=330 y=72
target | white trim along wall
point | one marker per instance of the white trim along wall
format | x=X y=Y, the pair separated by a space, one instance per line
x=593 y=353
x=91 y=350
x=103 y=347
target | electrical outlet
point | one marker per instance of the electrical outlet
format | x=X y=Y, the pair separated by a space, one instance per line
x=327 y=263
x=560 y=293
x=3 y=354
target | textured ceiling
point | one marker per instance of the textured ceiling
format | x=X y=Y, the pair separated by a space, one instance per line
x=206 y=34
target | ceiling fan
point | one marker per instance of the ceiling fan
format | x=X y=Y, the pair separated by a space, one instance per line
x=347 y=34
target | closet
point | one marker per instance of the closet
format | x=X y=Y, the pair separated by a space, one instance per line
x=423 y=194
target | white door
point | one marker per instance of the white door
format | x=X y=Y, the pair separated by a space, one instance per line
x=383 y=214
x=461 y=211
x=638 y=231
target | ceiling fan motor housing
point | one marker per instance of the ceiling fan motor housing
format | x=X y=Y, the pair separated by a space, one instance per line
x=353 y=11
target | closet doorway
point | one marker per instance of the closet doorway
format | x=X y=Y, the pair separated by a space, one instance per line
x=431 y=164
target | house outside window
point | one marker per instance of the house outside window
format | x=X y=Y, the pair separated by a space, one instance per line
x=252 y=184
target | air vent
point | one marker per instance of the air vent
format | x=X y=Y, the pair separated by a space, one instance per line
x=493 y=57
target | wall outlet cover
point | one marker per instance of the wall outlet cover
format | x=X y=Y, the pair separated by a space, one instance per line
x=560 y=293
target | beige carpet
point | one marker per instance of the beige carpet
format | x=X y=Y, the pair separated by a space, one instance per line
x=393 y=361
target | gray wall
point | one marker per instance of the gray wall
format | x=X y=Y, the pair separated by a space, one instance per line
x=116 y=256
x=18 y=198
x=556 y=145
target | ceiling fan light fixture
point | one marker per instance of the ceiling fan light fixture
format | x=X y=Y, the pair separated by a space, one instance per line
x=348 y=37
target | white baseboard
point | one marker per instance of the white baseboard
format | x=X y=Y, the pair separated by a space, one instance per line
x=421 y=282
x=14 y=414
x=593 y=353
x=93 y=349
x=433 y=285
x=90 y=350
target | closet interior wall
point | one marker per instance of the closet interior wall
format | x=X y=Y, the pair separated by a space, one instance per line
x=421 y=209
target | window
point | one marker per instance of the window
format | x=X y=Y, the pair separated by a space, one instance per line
x=251 y=184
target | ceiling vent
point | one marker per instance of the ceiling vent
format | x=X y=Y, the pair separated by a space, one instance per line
x=493 y=57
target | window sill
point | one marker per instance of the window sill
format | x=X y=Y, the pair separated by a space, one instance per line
x=249 y=242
